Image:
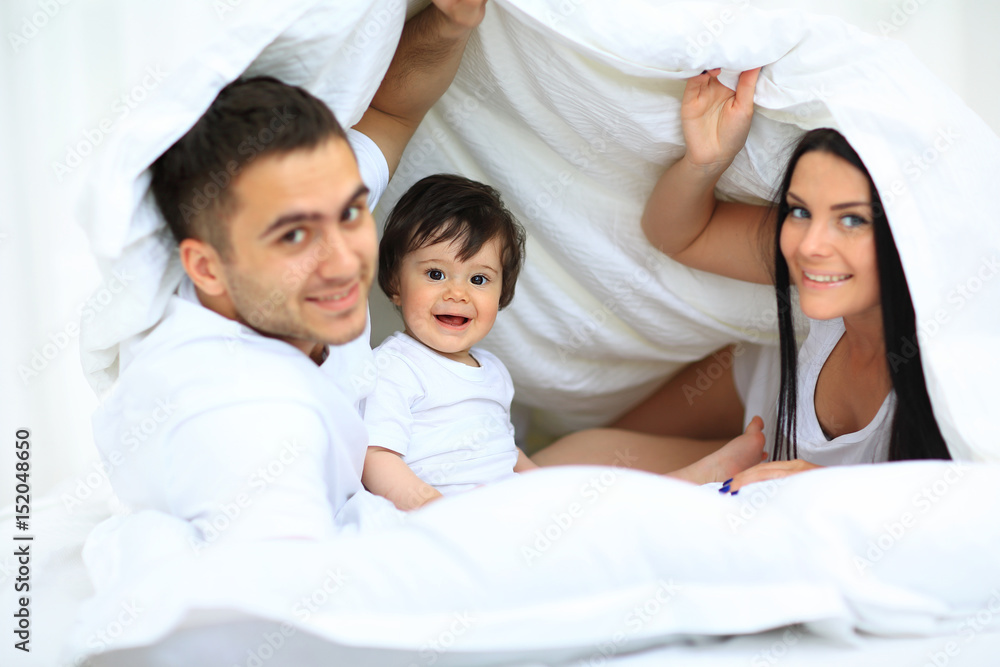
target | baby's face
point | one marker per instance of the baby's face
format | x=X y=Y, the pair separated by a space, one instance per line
x=449 y=304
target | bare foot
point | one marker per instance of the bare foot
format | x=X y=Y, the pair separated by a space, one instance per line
x=735 y=456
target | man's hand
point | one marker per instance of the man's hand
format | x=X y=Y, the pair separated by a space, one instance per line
x=463 y=14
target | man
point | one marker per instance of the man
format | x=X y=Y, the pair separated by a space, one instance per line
x=237 y=411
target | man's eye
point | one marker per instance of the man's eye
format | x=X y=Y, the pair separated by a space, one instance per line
x=352 y=213
x=435 y=274
x=479 y=279
x=297 y=235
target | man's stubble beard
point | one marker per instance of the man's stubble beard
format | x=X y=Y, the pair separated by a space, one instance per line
x=267 y=312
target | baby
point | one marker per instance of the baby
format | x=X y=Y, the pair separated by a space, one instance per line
x=439 y=418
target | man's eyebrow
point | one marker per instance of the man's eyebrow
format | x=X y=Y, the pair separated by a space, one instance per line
x=301 y=216
x=835 y=207
x=290 y=219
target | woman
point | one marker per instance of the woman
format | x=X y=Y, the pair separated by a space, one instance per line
x=855 y=392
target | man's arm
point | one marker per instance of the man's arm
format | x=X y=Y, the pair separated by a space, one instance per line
x=429 y=52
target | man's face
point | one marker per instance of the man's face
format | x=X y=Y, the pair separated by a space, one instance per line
x=303 y=247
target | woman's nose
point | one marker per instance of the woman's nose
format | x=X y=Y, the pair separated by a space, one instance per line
x=816 y=240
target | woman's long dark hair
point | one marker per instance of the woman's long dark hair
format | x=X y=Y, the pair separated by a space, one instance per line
x=915 y=433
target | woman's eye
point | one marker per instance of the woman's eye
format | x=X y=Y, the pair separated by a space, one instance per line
x=479 y=280
x=798 y=212
x=294 y=236
x=435 y=274
x=853 y=221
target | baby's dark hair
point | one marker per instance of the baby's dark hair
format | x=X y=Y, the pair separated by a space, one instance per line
x=446 y=207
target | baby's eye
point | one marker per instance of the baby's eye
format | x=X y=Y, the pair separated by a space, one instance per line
x=798 y=212
x=435 y=274
x=297 y=235
x=853 y=221
x=479 y=279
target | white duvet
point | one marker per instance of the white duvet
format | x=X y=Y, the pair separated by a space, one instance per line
x=559 y=565
x=571 y=110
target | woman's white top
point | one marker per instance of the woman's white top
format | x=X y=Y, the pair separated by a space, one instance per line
x=757 y=373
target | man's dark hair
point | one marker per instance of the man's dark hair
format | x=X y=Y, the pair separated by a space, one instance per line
x=249 y=118
x=445 y=207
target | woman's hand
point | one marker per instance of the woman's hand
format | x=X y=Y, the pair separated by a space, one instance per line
x=715 y=119
x=765 y=471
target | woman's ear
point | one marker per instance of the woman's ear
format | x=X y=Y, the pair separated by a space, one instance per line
x=204 y=266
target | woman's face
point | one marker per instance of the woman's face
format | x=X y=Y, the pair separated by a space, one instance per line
x=828 y=238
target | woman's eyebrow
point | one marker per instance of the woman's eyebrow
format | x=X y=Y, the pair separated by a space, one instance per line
x=835 y=207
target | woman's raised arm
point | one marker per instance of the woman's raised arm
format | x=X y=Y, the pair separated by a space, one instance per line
x=682 y=218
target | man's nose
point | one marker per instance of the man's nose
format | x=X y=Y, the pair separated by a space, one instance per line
x=335 y=258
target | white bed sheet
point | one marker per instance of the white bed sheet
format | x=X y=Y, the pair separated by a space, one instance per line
x=61 y=585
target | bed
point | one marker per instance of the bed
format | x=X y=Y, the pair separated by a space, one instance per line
x=799 y=572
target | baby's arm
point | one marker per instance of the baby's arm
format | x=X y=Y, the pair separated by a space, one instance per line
x=389 y=421
x=523 y=462
x=386 y=474
x=682 y=218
